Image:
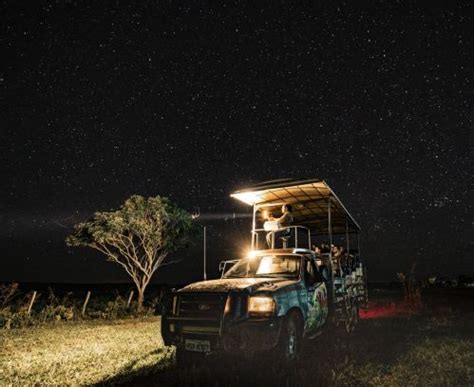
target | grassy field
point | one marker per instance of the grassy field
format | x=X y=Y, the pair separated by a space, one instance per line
x=393 y=346
x=81 y=353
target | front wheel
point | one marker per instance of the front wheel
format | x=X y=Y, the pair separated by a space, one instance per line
x=291 y=339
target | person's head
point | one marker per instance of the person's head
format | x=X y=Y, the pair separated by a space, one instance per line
x=317 y=250
x=286 y=208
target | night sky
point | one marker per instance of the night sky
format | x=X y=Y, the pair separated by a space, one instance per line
x=101 y=100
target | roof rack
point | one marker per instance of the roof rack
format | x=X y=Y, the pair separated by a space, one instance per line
x=315 y=205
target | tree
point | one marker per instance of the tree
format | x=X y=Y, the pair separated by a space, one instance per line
x=138 y=236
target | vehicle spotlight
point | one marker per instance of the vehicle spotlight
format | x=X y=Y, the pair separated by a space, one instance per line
x=252 y=254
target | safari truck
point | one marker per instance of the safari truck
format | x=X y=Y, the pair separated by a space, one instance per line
x=282 y=291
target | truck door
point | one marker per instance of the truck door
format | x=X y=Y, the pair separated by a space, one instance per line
x=317 y=297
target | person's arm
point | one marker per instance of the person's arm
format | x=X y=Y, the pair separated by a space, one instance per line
x=285 y=220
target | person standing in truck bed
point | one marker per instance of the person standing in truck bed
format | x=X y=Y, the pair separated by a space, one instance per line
x=285 y=220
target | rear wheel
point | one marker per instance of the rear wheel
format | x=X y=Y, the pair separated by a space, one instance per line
x=355 y=314
x=352 y=317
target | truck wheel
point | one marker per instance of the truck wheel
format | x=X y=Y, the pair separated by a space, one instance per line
x=355 y=314
x=291 y=340
x=353 y=317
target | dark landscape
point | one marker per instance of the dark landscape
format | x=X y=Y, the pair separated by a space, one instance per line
x=324 y=149
x=395 y=344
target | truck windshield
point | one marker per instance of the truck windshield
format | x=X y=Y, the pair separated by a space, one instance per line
x=287 y=266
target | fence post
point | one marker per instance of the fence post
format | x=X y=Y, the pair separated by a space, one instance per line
x=130 y=298
x=33 y=297
x=85 y=303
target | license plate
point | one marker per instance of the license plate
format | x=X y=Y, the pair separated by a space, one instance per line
x=197 y=345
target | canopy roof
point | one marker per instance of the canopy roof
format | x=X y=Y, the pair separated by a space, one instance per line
x=310 y=199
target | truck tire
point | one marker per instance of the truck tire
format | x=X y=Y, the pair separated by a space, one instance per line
x=355 y=315
x=344 y=321
x=291 y=340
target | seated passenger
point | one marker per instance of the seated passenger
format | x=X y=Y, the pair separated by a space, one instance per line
x=343 y=259
x=283 y=221
x=336 y=259
x=317 y=250
x=324 y=248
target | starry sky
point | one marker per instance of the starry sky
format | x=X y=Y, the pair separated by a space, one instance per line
x=101 y=100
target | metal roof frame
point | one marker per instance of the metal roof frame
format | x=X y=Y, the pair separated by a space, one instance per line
x=310 y=198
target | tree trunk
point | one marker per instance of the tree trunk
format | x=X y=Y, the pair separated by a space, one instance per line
x=141 y=298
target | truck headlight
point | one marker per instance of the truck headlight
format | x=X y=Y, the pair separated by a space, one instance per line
x=261 y=306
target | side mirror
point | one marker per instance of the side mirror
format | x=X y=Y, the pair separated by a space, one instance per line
x=222 y=266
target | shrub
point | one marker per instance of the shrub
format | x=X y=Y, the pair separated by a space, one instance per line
x=7 y=293
x=9 y=319
x=5 y=318
x=53 y=307
x=117 y=308
x=56 y=313
x=21 y=319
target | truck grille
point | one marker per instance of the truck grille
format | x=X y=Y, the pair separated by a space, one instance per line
x=201 y=305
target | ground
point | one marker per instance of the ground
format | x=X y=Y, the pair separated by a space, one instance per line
x=81 y=353
x=393 y=346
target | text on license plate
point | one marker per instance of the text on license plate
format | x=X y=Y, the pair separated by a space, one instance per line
x=197 y=345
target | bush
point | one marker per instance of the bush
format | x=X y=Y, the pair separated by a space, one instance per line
x=116 y=309
x=21 y=319
x=9 y=319
x=56 y=313
x=14 y=314
x=5 y=318
x=53 y=307
x=7 y=293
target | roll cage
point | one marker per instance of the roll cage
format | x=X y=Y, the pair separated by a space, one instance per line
x=317 y=211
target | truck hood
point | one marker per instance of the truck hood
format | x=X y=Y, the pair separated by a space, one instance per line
x=241 y=284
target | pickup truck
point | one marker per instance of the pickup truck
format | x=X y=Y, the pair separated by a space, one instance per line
x=271 y=299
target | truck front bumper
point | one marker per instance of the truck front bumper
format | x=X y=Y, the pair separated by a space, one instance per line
x=249 y=335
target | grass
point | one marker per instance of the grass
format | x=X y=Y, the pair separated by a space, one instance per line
x=433 y=362
x=393 y=346
x=80 y=353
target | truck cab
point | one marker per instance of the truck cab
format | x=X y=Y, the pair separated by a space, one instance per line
x=278 y=294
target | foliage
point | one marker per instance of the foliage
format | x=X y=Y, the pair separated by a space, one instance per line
x=138 y=236
x=116 y=309
x=68 y=307
x=7 y=293
x=15 y=319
